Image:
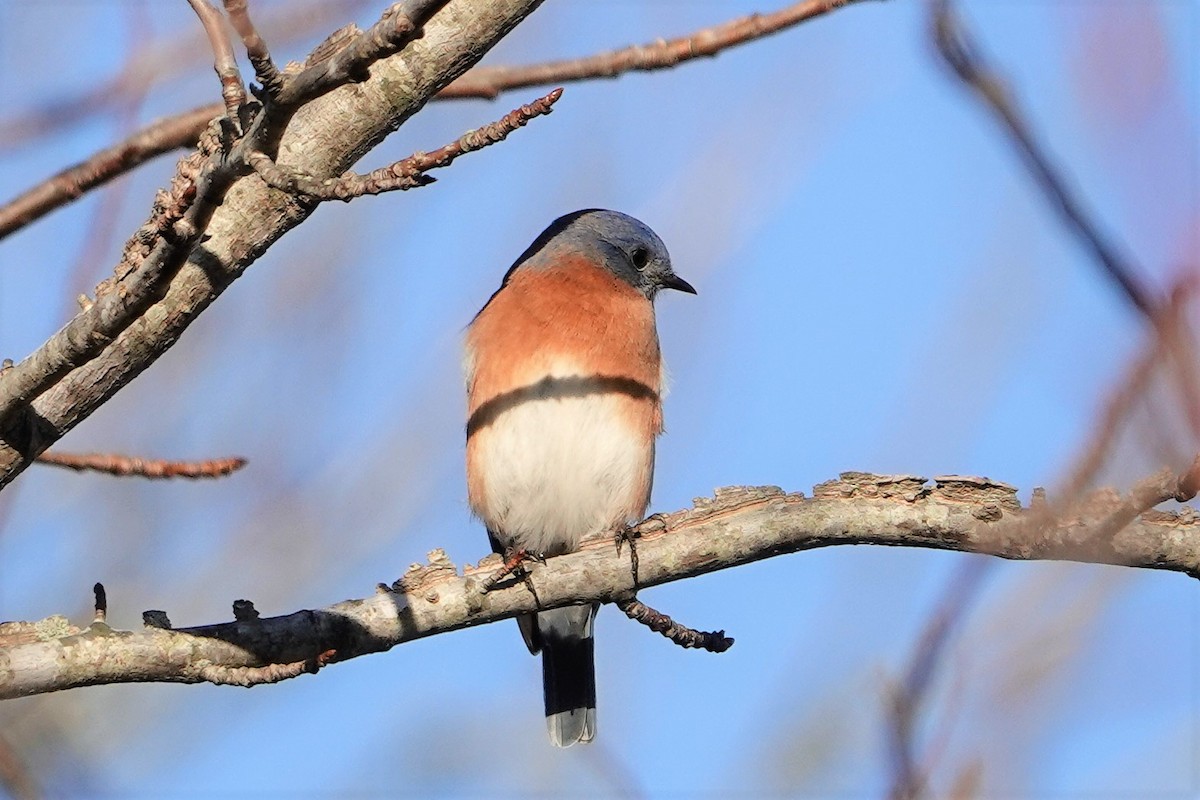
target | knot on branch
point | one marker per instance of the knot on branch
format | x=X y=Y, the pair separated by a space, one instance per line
x=440 y=567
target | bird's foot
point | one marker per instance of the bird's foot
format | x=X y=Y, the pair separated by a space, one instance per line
x=629 y=534
x=514 y=564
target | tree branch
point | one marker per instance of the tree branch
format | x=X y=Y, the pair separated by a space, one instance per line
x=481 y=82
x=123 y=466
x=488 y=82
x=64 y=381
x=738 y=526
x=408 y=173
x=233 y=91
x=161 y=136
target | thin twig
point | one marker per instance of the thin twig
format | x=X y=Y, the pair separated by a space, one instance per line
x=233 y=90
x=406 y=174
x=1116 y=410
x=488 y=82
x=161 y=61
x=712 y=641
x=122 y=466
x=1170 y=346
x=157 y=138
x=256 y=49
x=270 y=673
x=960 y=52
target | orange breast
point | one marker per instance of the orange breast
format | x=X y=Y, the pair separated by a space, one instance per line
x=571 y=332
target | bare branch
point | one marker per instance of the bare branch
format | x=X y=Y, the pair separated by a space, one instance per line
x=963 y=56
x=176 y=224
x=488 y=82
x=108 y=344
x=161 y=136
x=160 y=61
x=408 y=173
x=123 y=466
x=480 y=82
x=636 y=610
x=233 y=91
x=398 y=26
x=256 y=49
x=738 y=526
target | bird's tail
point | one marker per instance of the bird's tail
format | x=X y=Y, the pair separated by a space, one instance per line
x=568 y=673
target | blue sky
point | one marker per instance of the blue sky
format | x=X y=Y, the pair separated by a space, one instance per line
x=880 y=288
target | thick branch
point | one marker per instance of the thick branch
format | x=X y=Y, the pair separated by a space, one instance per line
x=739 y=526
x=57 y=390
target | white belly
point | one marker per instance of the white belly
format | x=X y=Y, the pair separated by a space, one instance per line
x=559 y=468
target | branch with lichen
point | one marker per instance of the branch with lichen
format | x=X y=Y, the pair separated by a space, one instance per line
x=739 y=525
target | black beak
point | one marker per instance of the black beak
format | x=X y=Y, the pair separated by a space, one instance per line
x=673 y=281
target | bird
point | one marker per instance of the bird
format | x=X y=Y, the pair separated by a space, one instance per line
x=564 y=403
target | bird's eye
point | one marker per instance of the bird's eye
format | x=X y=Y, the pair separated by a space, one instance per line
x=640 y=258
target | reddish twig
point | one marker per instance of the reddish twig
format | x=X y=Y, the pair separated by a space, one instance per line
x=1187 y=485
x=713 y=642
x=124 y=466
x=488 y=82
x=233 y=91
x=405 y=174
x=161 y=136
x=1116 y=411
x=1170 y=346
x=1158 y=488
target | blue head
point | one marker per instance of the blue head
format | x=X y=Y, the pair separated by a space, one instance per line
x=625 y=246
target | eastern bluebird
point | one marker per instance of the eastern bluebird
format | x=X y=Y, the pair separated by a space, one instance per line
x=564 y=384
